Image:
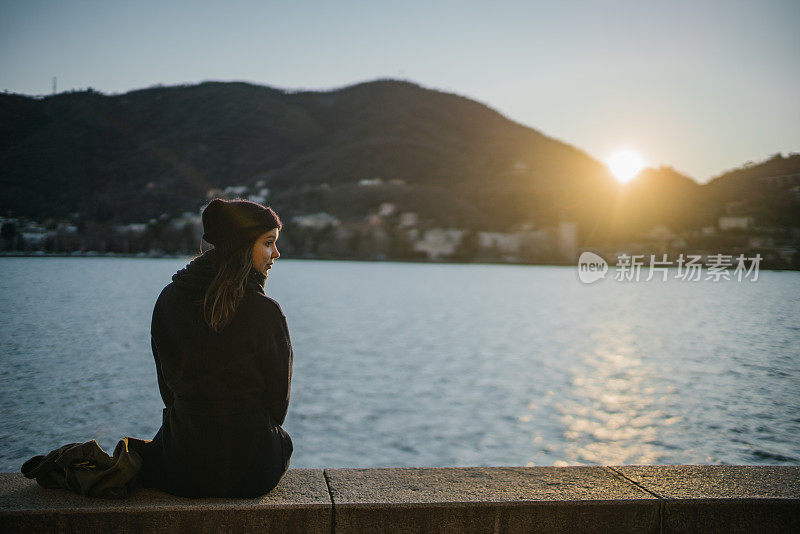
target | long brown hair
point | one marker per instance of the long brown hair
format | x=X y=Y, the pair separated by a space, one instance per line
x=226 y=290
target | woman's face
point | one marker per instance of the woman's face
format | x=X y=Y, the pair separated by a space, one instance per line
x=265 y=251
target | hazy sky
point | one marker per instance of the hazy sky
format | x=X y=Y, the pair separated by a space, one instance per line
x=702 y=86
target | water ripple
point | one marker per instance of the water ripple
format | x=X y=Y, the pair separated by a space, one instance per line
x=430 y=365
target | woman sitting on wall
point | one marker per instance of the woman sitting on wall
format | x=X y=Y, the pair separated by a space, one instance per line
x=224 y=364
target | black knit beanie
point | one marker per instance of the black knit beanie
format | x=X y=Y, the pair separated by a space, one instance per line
x=230 y=224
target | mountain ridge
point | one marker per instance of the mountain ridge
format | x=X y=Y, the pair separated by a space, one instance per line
x=132 y=156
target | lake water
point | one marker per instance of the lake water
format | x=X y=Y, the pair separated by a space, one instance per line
x=403 y=364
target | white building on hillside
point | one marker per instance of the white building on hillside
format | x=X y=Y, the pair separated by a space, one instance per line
x=501 y=242
x=438 y=242
x=316 y=221
x=568 y=240
x=735 y=223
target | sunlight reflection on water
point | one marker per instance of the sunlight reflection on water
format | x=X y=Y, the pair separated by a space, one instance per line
x=611 y=416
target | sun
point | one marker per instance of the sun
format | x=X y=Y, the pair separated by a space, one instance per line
x=625 y=164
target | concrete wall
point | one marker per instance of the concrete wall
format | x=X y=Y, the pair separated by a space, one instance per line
x=653 y=499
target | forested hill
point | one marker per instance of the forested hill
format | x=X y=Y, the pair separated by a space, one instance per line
x=130 y=157
x=137 y=155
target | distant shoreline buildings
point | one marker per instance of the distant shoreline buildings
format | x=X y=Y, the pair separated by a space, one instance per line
x=389 y=234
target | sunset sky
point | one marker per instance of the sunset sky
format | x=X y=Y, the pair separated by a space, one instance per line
x=703 y=86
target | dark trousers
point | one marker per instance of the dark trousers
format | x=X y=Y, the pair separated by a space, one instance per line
x=264 y=474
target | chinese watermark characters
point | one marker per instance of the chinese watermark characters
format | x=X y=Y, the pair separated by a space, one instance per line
x=687 y=267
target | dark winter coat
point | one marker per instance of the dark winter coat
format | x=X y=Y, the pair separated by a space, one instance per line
x=226 y=394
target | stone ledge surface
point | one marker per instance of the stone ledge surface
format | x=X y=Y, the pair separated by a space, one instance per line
x=300 y=503
x=479 y=484
x=722 y=498
x=489 y=499
x=655 y=499
x=715 y=481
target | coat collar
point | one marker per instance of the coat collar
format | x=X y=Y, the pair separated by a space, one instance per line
x=198 y=274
